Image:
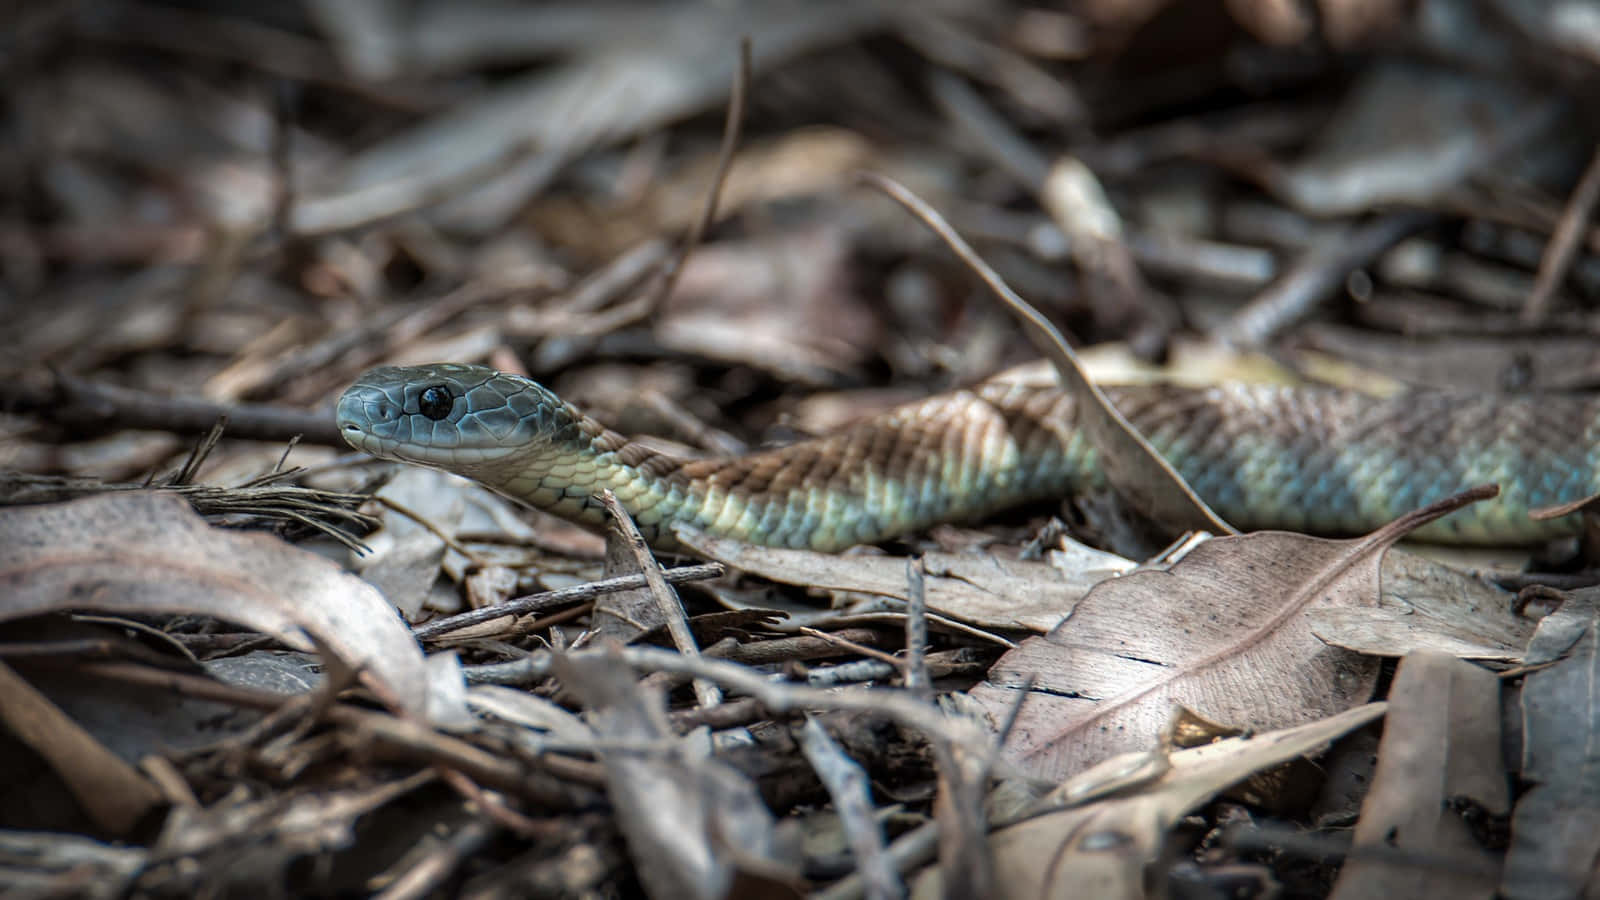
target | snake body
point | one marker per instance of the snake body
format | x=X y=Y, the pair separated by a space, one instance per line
x=1317 y=460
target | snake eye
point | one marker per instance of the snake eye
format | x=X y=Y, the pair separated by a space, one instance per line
x=435 y=402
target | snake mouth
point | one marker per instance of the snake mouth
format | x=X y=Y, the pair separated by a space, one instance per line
x=370 y=421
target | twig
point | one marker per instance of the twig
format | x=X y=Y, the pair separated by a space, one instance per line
x=555 y=618
x=314 y=507
x=98 y=408
x=776 y=650
x=780 y=697
x=993 y=136
x=1315 y=276
x=684 y=422
x=592 y=293
x=551 y=599
x=909 y=851
x=197 y=456
x=673 y=614
x=1024 y=690
x=847 y=785
x=449 y=540
x=856 y=671
x=398 y=738
x=1563 y=247
x=731 y=129
x=434 y=870
x=916 y=662
x=847 y=644
x=1133 y=467
x=732 y=714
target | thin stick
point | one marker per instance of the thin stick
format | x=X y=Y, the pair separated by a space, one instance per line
x=1563 y=246
x=101 y=408
x=448 y=539
x=1132 y=466
x=916 y=662
x=673 y=614
x=1316 y=276
x=731 y=129
x=552 y=599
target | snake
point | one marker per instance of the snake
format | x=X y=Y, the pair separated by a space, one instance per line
x=1310 y=459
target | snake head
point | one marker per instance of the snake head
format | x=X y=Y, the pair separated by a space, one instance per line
x=462 y=418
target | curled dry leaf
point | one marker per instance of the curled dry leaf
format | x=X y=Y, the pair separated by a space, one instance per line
x=148 y=552
x=626 y=615
x=1223 y=632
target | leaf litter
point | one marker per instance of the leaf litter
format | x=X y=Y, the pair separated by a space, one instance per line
x=501 y=184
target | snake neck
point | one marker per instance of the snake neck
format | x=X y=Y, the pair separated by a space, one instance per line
x=577 y=458
x=879 y=479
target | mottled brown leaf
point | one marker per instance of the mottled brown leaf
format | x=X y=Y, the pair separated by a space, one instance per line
x=1223 y=632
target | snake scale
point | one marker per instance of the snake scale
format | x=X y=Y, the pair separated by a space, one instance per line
x=1317 y=460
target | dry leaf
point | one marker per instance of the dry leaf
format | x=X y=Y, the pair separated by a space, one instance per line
x=1428 y=606
x=1441 y=744
x=784 y=305
x=148 y=552
x=1223 y=632
x=1104 y=849
x=405 y=554
x=1555 y=829
x=983 y=590
x=692 y=822
x=530 y=711
x=626 y=615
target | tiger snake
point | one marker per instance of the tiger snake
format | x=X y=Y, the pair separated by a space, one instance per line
x=1310 y=459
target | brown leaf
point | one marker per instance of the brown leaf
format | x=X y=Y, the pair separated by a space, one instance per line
x=1428 y=606
x=784 y=305
x=1109 y=848
x=1223 y=632
x=692 y=822
x=144 y=552
x=983 y=590
x=1441 y=744
x=1555 y=829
